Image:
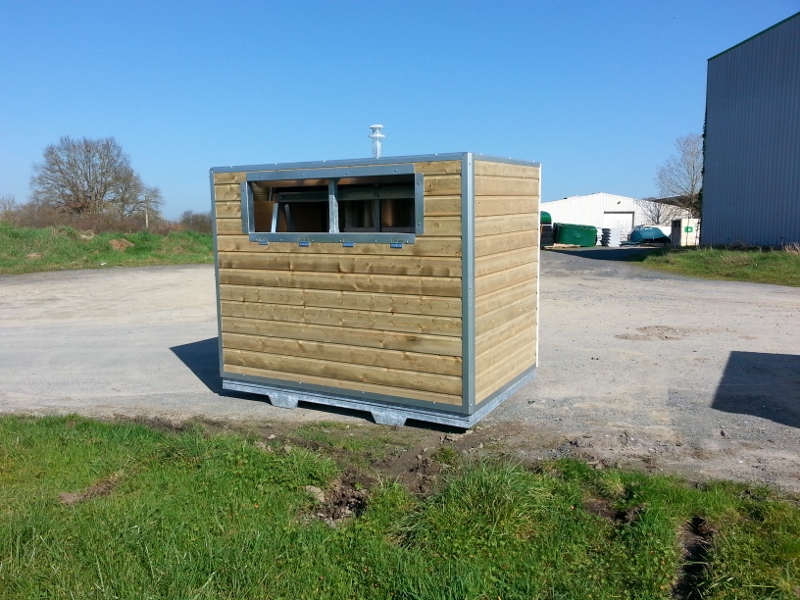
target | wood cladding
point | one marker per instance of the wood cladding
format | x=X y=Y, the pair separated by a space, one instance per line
x=388 y=322
x=369 y=318
x=506 y=273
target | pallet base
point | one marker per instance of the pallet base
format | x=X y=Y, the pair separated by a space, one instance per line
x=382 y=413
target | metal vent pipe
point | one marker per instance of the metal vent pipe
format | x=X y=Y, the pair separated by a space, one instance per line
x=376 y=136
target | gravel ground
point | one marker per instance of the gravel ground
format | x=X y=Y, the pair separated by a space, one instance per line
x=637 y=368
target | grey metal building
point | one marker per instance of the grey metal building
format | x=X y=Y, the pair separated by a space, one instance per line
x=751 y=184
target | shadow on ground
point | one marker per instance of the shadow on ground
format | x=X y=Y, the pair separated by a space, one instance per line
x=761 y=385
x=202 y=358
x=629 y=254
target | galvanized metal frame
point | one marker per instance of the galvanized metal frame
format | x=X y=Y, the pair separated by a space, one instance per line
x=333 y=174
x=216 y=273
x=382 y=412
x=468 y=282
x=364 y=162
x=385 y=409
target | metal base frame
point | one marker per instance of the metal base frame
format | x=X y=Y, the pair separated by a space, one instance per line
x=382 y=413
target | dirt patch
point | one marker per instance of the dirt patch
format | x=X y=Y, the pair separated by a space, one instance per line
x=101 y=488
x=34 y=255
x=654 y=332
x=120 y=245
x=600 y=508
x=603 y=508
x=346 y=498
x=696 y=538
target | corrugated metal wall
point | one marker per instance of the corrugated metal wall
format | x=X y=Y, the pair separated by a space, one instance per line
x=751 y=185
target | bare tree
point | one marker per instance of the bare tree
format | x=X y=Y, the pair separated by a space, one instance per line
x=659 y=212
x=8 y=208
x=90 y=176
x=680 y=178
x=200 y=222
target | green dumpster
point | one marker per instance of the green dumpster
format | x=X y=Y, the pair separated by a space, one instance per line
x=576 y=235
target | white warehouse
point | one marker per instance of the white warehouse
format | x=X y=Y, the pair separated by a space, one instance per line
x=607 y=210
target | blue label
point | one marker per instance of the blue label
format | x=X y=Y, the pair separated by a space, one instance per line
x=348 y=244
x=305 y=244
x=396 y=245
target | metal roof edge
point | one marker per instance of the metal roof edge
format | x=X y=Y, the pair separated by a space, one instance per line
x=760 y=33
x=388 y=160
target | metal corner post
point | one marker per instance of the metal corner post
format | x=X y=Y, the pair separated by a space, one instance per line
x=468 y=282
x=538 y=267
x=216 y=269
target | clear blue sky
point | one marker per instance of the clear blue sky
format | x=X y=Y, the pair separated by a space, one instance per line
x=597 y=91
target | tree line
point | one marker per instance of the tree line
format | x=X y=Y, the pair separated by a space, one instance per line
x=91 y=181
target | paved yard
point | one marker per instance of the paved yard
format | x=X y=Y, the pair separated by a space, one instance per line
x=684 y=375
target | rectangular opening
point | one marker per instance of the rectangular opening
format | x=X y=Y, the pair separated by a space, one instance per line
x=376 y=204
x=365 y=200
x=290 y=206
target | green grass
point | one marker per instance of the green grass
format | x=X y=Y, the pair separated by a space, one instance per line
x=195 y=515
x=26 y=250
x=779 y=267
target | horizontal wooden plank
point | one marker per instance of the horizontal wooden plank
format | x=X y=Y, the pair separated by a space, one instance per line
x=500 y=298
x=229 y=226
x=360 y=301
x=486 y=167
x=340 y=371
x=495 y=263
x=221 y=178
x=512 y=310
x=495 y=378
x=339 y=317
x=443 y=167
x=488 y=185
x=387 y=284
x=497 y=335
x=513 y=206
x=346 y=385
x=503 y=224
x=390 y=340
x=501 y=353
x=495 y=244
x=423 y=246
x=442 y=185
x=227 y=192
x=342 y=263
x=353 y=355
x=496 y=281
x=228 y=210
x=443 y=206
x=443 y=226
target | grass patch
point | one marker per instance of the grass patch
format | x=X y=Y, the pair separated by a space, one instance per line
x=27 y=250
x=156 y=514
x=756 y=265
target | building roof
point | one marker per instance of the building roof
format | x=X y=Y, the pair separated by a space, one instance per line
x=760 y=33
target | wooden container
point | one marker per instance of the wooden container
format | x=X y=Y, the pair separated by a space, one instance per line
x=402 y=286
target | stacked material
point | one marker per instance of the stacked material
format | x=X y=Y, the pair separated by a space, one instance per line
x=546 y=233
x=547 y=236
x=611 y=237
